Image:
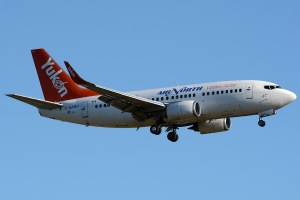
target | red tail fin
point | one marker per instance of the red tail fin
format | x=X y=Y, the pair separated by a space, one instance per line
x=56 y=84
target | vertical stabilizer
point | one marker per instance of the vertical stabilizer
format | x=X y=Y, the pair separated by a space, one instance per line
x=56 y=84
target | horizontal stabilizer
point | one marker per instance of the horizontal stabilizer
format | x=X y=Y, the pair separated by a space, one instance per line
x=36 y=102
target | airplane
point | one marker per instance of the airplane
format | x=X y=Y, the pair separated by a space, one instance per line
x=205 y=107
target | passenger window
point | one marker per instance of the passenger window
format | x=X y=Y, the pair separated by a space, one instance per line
x=235 y=90
x=213 y=93
x=181 y=96
x=157 y=99
x=190 y=95
x=100 y=106
x=222 y=92
x=172 y=97
x=226 y=91
x=153 y=99
x=194 y=95
x=96 y=106
x=185 y=96
x=218 y=92
x=240 y=90
x=207 y=93
x=176 y=96
x=231 y=91
x=162 y=98
x=203 y=94
x=167 y=98
x=104 y=105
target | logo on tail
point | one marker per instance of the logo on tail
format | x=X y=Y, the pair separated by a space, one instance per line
x=53 y=75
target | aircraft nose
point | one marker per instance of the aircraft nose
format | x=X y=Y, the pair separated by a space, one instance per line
x=288 y=97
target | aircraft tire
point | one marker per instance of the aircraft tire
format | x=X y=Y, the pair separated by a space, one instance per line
x=156 y=130
x=172 y=136
x=261 y=123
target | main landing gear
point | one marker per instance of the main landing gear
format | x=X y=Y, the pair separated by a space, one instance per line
x=155 y=129
x=172 y=135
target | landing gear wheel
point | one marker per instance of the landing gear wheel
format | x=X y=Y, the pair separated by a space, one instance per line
x=261 y=123
x=156 y=130
x=172 y=136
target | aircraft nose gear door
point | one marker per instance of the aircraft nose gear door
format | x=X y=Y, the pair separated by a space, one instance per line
x=84 y=109
x=249 y=91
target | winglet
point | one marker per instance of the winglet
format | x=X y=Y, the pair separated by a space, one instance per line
x=74 y=75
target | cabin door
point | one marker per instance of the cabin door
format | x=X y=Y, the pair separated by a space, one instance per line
x=249 y=91
x=84 y=109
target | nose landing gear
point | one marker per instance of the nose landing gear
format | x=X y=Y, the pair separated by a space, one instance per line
x=261 y=123
x=267 y=113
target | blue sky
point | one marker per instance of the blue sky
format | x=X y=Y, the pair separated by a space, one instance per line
x=133 y=45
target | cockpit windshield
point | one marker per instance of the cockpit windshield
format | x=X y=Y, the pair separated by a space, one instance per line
x=271 y=87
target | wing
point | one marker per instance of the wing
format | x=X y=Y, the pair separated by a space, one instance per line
x=141 y=108
x=36 y=102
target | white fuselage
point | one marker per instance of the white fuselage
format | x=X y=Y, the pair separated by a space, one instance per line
x=217 y=100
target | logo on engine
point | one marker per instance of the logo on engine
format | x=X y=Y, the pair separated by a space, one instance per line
x=53 y=75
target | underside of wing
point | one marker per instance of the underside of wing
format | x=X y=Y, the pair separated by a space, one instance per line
x=139 y=107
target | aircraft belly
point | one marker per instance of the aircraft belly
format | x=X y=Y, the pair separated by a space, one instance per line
x=63 y=115
x=111 y=117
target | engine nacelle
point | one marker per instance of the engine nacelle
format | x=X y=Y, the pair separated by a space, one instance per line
x=183 y=110
x=214 y=125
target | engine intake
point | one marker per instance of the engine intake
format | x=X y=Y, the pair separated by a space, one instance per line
x=183 y=110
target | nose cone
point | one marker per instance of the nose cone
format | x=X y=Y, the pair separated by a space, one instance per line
x=288 y=97
x=293 y=96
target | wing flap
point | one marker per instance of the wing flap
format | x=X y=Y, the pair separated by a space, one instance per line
x=36 y=102
x=123 y=101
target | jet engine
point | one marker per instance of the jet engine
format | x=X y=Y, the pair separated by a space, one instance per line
x=183 y=110
x=212 y=126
